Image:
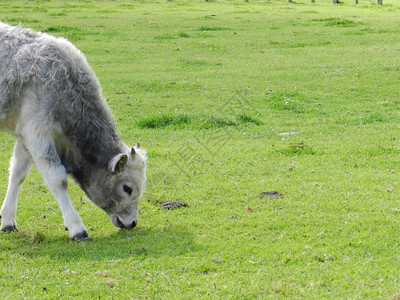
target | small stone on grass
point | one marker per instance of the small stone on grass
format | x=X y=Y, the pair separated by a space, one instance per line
x=273 y=194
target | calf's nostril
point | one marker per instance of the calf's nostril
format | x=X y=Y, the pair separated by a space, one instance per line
x=133 y=225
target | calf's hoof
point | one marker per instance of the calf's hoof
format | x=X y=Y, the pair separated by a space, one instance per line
x=81 y=237
x=11 y=228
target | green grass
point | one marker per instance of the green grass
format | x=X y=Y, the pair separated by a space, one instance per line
x=230 y=99
x=205 y=121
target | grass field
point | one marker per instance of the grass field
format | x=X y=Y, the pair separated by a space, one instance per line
x=231 y=99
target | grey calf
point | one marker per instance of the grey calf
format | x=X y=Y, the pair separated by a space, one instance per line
x=50 y=99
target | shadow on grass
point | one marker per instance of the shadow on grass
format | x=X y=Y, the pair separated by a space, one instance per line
x=121 y=244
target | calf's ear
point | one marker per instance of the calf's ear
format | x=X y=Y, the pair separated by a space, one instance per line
x=118 y=163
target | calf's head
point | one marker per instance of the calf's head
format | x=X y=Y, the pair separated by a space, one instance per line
x=118 y=188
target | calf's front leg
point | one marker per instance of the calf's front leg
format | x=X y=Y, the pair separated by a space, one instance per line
x=20 y=166
x=55 y=176
x=48 y=163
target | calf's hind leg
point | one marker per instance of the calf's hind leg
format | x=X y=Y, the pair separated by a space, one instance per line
x=19 y=168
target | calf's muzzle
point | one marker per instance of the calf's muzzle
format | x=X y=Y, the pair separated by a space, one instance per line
x=121 y=225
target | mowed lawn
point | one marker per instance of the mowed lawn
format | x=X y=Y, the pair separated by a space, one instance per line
x=231 y=99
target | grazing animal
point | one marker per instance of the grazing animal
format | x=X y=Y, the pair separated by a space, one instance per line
x=50 y=100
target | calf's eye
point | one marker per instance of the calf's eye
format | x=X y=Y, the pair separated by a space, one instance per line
x=127 y=189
